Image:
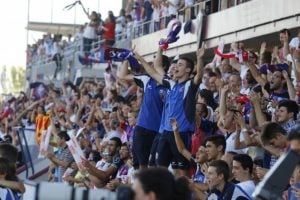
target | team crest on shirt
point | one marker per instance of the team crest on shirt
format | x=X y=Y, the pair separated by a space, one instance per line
x=162 y=94
x=149 y=87
x=181 y=89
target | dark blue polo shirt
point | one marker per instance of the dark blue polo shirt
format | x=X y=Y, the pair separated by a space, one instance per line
x=180 y=104
x=152 y=105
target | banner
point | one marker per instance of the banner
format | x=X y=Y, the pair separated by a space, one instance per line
x=46 y=134
x=75 y=150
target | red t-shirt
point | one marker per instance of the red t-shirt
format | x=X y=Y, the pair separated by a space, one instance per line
x=197 y=139
x=110 y=33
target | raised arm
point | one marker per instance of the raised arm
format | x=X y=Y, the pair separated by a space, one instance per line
x=262 y=51
x=158 y=62
x=296 y=60
x=223 y=97
x=199 y=65
x=150 y=70
x=285 y=47
x=102 y=175
x=84 y=10
x=19 y=117
x=255 y=102
x=123 y=73
x=14 y=185
x=290 y=86
x=179 y=143
x=256 y=74
x=240 y=128
x=233 y=62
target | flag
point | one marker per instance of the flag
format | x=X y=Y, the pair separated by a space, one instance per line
x=42 y=123
x=172 y=37
x=95 y=57
x=119 y=55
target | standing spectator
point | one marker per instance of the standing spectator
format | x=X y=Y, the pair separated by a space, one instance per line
x=109 y=30
x=120 y=24
x=89 y=34
x=151 y=108
x=164 y=14
x=172 y=8
x=146 y=15
x=57 y=53
x=129 y=26
x=156 y=6
x=180 y=104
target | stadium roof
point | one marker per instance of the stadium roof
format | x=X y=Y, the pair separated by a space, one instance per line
x=53 y=28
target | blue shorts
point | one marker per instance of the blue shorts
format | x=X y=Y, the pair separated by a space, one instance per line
x=168 y=153
x=142 y=143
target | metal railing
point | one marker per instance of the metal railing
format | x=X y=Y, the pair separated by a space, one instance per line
x=26 y=150
x=152 y=26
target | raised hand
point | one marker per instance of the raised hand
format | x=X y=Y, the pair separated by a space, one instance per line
x=234 y=46
x=285 y=75
x=263 y=48
x=174 y=124
x=200 y=52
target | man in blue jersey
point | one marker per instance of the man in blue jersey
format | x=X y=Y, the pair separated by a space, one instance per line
x=179 y=104
x=149 y=118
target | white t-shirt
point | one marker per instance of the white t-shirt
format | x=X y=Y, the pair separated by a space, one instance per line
x=165 y=11
x=156 y=14
x=189 y=3
x=230 y=144
x=172 y=9
x=295 y=42
x=89 y=32
x=247 y=186
x=102 y=165
x=57 y=48
x=120 y=23
x=129 y=28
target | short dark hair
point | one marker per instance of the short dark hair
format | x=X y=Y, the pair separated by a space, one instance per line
x=64 y=134
x=217 y=140
x=285 y=31
x=189 y=63
x=291 y=106
x=165 y=63
x=9 y=152
x=117 y=140
x=270 y=131
x=221 y=168
x=162 y=182
x=294 y=134
x=212 y=74
x=245 y=160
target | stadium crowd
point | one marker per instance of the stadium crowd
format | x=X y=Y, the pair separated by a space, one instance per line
x=139 y=17
x=172 y=129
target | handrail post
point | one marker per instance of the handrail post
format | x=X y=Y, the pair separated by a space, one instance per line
x=23 y=153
